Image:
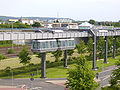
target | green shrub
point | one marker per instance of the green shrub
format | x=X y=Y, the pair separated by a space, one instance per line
x=7 y=69
x=10 y=51
x=2 y=56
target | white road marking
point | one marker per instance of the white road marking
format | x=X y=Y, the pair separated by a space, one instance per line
x=108 y=70
x=106 y=77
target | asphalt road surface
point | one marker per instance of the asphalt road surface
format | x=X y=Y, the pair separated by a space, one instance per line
x=42 y=84
x=103 y=76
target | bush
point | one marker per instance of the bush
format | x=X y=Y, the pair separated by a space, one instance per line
x=7 y=69
x=81 y=77
x=2 y=56
x=10 y=51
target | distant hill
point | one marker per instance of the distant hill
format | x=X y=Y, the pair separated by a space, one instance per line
x=4 y=18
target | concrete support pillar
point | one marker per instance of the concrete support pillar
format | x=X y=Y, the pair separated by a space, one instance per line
x=43 y=65
x=65 y=58
x=94 y=53
x=105 y=49
x=114 y=47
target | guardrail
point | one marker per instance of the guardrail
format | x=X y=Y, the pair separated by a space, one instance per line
x=32 y=35
x=47 y=35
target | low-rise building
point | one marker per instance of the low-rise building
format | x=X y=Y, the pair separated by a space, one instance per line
x=85 y=25
x=26 y=21
x=13 y=20
x=61 y=20
x=61 y=25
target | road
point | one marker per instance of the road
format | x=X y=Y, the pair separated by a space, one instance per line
x=104 y=76
x=54 y=84
x=41 y=83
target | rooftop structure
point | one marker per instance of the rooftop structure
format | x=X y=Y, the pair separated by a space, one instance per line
x=13 y=20
x=61 y=25
x=61 y=20
x=85 y=25
x=26 y=21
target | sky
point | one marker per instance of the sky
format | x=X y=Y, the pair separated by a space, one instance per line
x=100 y=10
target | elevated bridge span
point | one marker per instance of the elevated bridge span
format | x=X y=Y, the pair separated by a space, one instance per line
x=32 y=35
x=47 y=35
x=63 y=35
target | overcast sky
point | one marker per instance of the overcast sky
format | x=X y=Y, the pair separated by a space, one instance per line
x=76 y=9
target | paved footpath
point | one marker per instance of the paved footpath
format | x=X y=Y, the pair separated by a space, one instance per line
x=104 y=76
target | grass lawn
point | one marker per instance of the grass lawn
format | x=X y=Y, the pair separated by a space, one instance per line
x=14 y=62
x=61 y=72
x=55 y=72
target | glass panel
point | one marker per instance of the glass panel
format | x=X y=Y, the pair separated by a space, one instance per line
x=38 y=45
x=70 y=43
x=34 y=45
x=51 y=44
x=54 y=44
x=43 y=45
x=59 y=43
x=47 y=44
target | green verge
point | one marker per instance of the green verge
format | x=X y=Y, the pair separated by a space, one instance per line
x=57 y=71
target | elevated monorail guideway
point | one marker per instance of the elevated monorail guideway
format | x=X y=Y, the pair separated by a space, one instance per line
x=43 y=42
x=48 y=35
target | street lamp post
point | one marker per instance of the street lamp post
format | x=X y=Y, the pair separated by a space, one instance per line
x=32 y=79
x=11 y=34
x=12 y=76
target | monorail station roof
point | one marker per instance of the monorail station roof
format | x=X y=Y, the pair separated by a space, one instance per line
x=85 y=25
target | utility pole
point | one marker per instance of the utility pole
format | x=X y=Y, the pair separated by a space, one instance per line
x=11 y=34
x=12 y=76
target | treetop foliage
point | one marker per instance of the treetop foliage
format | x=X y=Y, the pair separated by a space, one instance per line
x=81 y=77
x=36 y=24
x=24 y=56
x=81 y=48
x=57 y=54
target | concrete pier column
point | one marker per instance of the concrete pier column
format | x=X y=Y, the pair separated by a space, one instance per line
x=105 y=49
x=65 y=58
x=43 y=65
x=114 y=47
x=94 y=53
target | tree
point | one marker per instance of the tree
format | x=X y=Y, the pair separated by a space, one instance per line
x=118 y=62
x=100 y=47
x=115 y=77
x=57 y=54
x=91 y=21
x=36 y=24
x=24 y=56
x=90 y=48
x=110 y=45
x=81 y=77
x=2 y=57
x=81 y=48
x=117 y=45
x=70 y=52
x=37 y=54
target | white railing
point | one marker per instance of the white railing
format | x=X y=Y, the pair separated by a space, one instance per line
x=47 y=35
